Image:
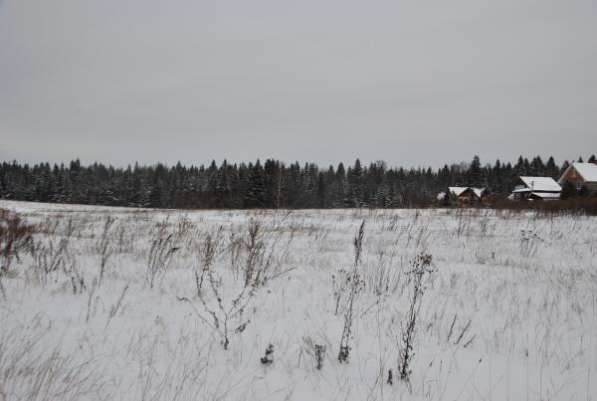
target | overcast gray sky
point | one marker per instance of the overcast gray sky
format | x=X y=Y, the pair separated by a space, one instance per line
x=412 y=82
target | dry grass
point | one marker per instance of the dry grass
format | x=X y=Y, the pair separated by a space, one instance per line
x=30 y=372
x=515 y=288
x=15 y=237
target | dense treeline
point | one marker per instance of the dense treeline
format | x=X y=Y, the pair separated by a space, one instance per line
x=271 y=184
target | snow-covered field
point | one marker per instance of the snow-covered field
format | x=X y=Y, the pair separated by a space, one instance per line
x=508 y=310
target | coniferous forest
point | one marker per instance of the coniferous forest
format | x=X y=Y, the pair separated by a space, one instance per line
x=269 y=184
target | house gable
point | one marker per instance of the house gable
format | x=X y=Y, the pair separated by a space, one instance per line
x=581 y=174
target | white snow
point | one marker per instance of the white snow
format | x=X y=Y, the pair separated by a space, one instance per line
x=478 y=191
x=541 y=184
x=588 y=171
x=457 y=190
x=510 y=312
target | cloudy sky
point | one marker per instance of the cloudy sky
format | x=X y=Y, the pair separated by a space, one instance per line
x=408 y=81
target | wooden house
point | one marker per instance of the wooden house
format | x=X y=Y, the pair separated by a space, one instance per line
x=581 y=175
x=536 y=188
x=465 y=195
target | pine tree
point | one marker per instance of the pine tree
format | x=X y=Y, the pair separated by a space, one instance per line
x=551 y=170
x=255 y=195
x=475 y=173
x=273 y=185
x=355 y=188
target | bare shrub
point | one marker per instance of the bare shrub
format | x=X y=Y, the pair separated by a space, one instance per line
x=15 y=237
x=255 y=255
x=219 y=317
x=32 y=372
x=186 y=232
x=253 y=260
x=355 y=285
x=160 y=253
x=263 y=252
x=340 y=281
x=206 y=258
x=104 y=247
x=420 y=266
x=51 y=253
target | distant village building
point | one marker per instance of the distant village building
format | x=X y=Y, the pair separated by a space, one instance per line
x=581 y=175
x=465 y=195
x=536 y=188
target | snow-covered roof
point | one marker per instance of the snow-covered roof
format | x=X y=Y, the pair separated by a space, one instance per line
x=478 y=191
x=588 y=171
x=460 y=190
x=541 y=184
x=457 y=190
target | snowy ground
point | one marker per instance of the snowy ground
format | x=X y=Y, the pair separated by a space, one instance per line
x=509 y=312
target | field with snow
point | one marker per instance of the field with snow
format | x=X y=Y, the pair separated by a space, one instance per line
x=127 y=304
